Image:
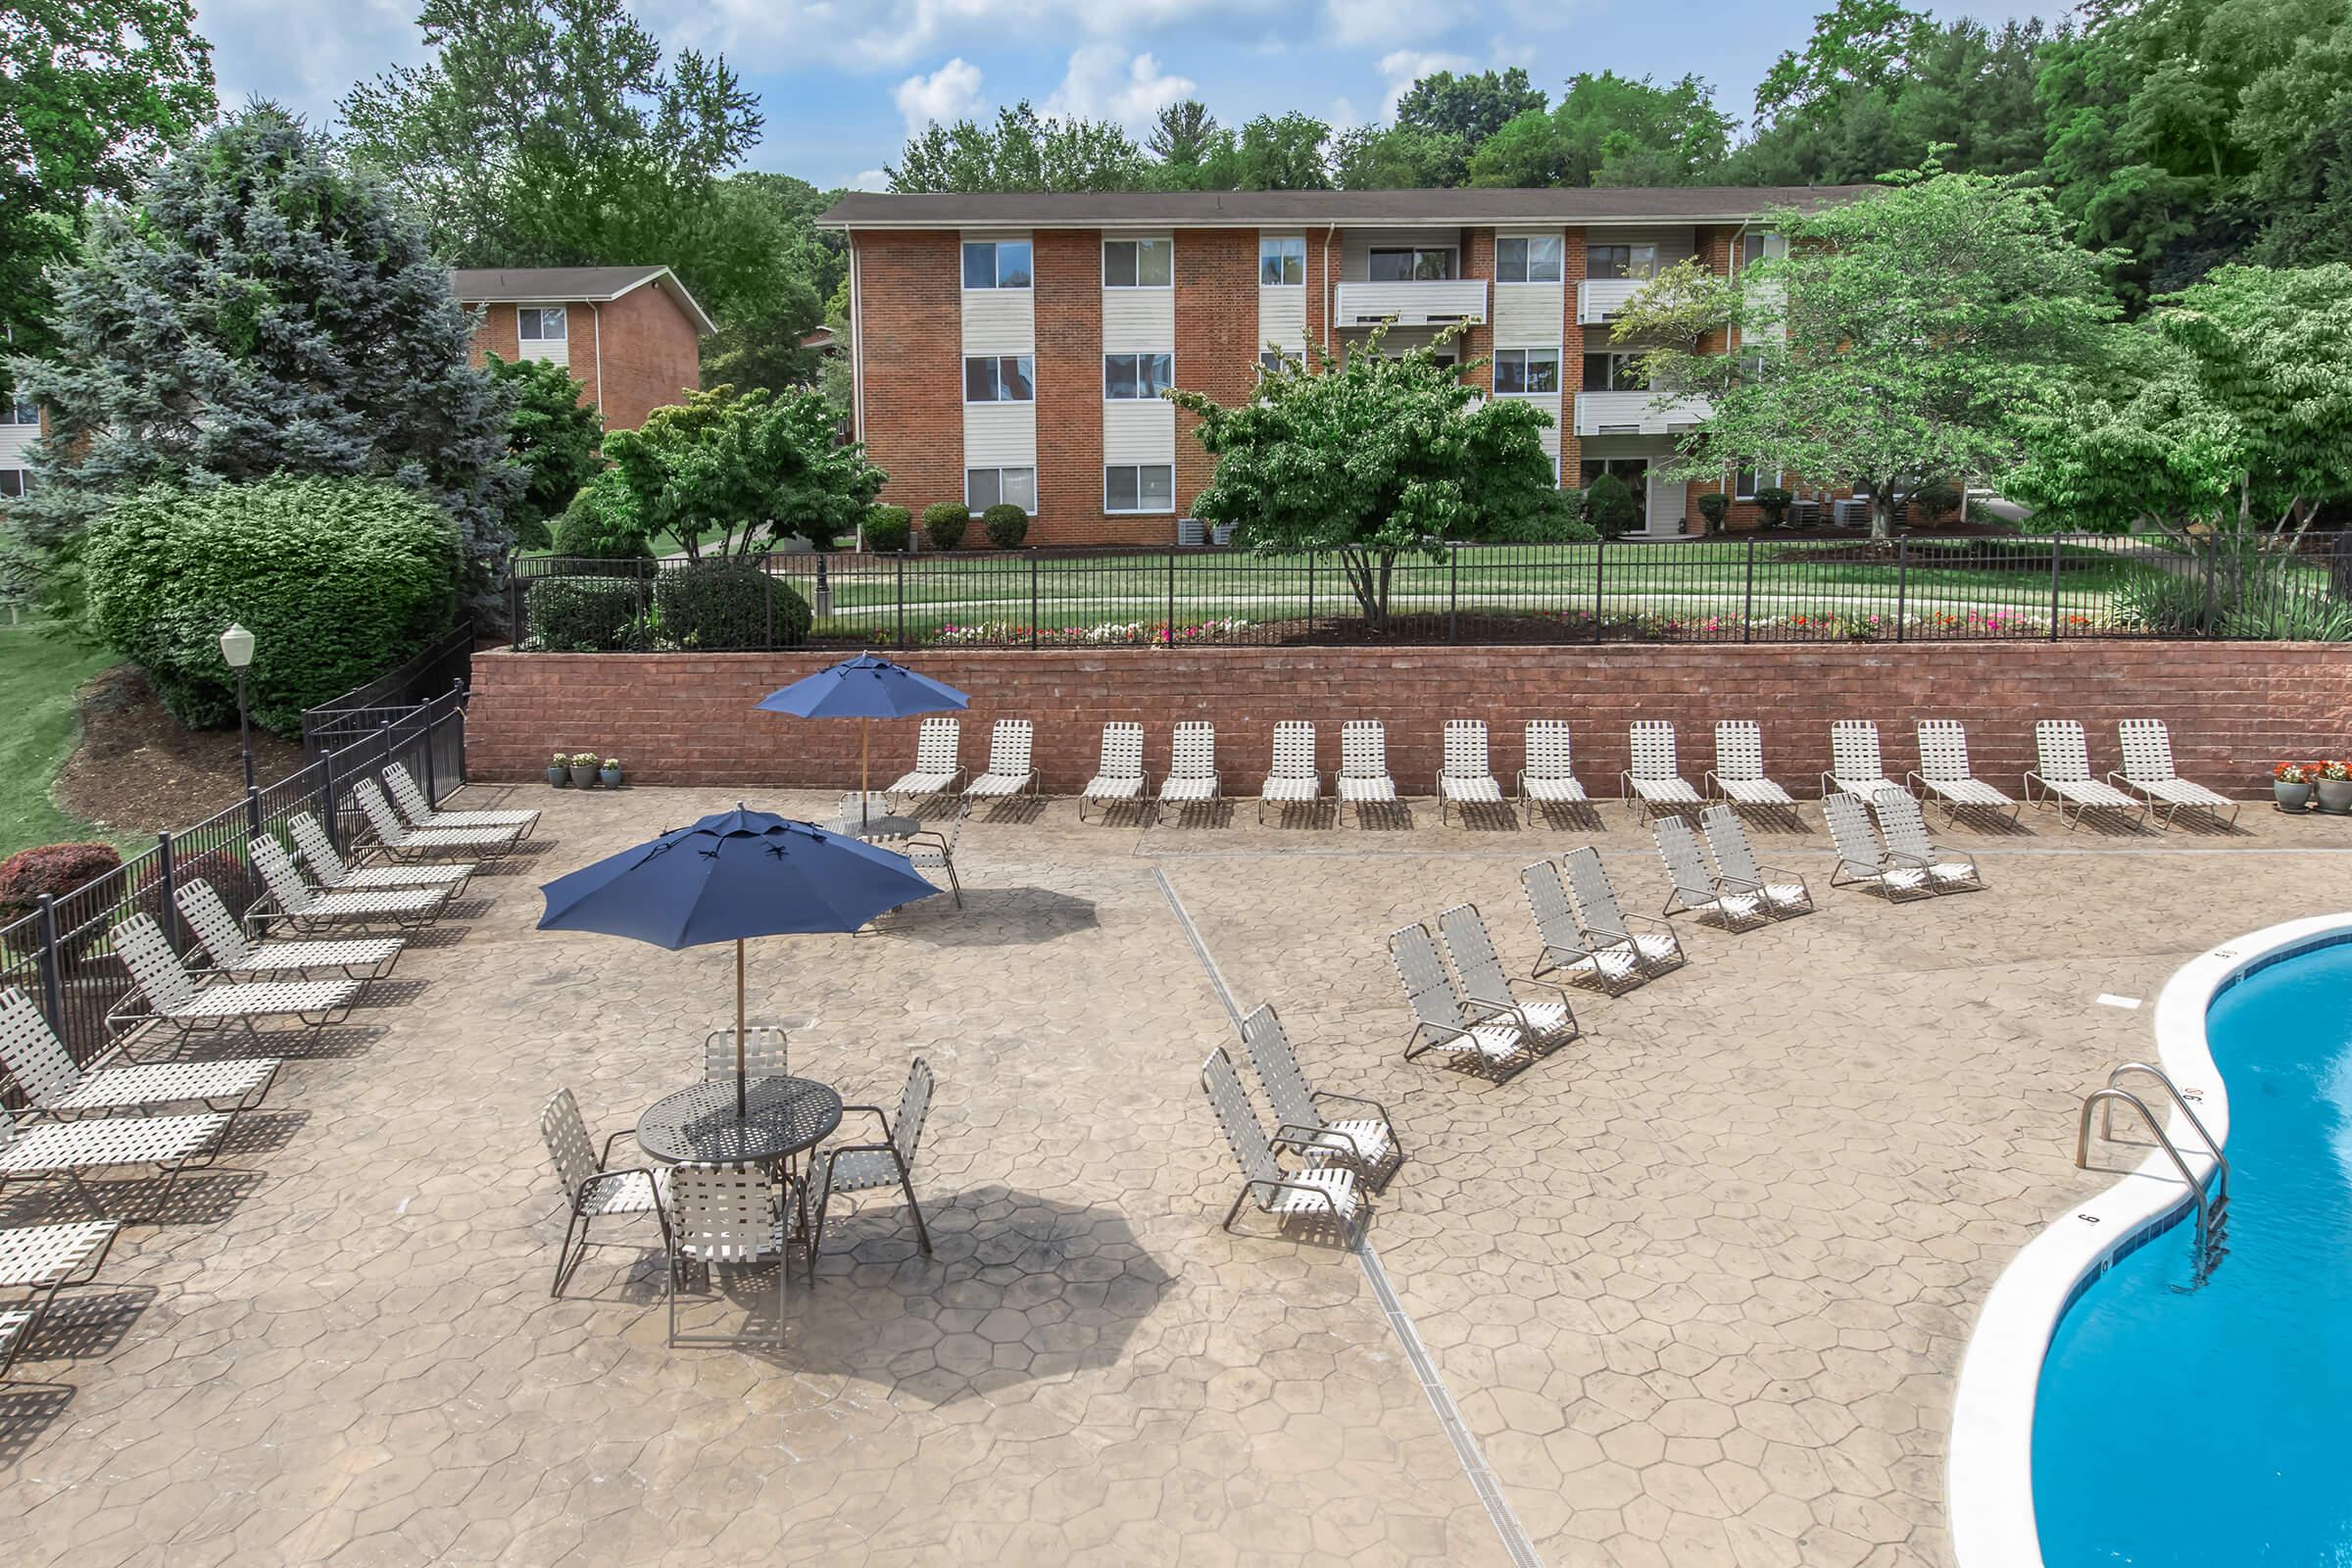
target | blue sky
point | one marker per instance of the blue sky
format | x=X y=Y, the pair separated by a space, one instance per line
x=843 y=81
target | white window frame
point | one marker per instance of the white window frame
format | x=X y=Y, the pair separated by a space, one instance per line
x=1616 y=358
x=21 y=479
x=1284 y=247
x=1755 y=473
x=1000 y=471
x=563 y=317
x=1028 y=364
x=1633 y=256
x=995 y=267
x=20 y=414
x=1527 y=244
x=1138 y=244
x=1416 y=252
x=1138 y=356
x=1140 y=509
x=1523 y=358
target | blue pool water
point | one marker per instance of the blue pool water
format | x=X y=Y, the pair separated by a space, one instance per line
x=2210 y=1428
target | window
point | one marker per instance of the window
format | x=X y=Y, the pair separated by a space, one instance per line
x=1143 y=487
x=1405 y=265
x=984 y=488
x=13 y=482
x=1612 y=373
x=1137 y=375
x=1270 y=363
x=539 y=324
x=1756 y=245
x=1282 y=263
x=1527 y=372
x=999 y=379
x=1146 y=263
x=996 y=264
x=1531 y=260
x=1621 y=260
x=18 y=414
x=1746 y=480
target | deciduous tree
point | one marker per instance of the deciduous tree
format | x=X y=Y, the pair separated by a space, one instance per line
x=752 y=468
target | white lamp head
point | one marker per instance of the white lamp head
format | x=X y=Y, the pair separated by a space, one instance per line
x=236 y=646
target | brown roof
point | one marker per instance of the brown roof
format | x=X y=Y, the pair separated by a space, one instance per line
x=501 y=286
x=1254 y=209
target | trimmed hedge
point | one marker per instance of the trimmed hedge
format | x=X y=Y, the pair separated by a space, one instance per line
x=1714 y=505
x=587 y=615
x=887 y=529
x=944 y=523
x=723 y=605
x=1006 y=524
x=1609 y=506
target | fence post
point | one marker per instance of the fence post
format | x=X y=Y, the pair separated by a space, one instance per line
x=1453 y=594
x=1310 y=593
x=1600 y=553
x=253 y=810
x=329 y=816
x=1034 y=569
x=902 y=570
x=168 y=875
x=432 y=776
x=53 y=984
x=2057 y=560
x=1902 y=584
x=1747 y=603
x=2213 y=552
x=1171 y=627
x=515 y=608
x=767 y=601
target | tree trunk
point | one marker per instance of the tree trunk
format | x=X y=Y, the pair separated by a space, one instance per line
x=1881 y=509
x=1369 y=583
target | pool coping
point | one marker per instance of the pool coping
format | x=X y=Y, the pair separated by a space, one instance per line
x=1989 y=1479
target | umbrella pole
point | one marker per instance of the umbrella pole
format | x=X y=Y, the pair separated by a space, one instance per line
x=865 y=768
x=741 y=1112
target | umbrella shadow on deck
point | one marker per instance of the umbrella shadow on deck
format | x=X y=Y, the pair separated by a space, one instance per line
x=992 y=917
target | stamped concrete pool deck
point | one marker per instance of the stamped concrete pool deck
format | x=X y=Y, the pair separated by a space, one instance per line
x=1691 y=1291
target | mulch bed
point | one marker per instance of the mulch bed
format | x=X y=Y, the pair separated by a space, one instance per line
x=140 y=770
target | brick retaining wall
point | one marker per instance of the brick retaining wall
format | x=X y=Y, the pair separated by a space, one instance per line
x=682 y=718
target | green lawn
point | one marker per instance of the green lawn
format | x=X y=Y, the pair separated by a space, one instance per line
x=39 y=669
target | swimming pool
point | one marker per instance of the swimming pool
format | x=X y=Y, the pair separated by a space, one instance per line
x=2202 y=1428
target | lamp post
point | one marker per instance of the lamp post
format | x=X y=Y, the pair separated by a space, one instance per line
x=237 y=648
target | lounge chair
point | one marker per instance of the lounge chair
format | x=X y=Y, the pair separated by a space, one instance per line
x=1010 y=771
x=1476 y=965
x=1363 y=779
x=2149 y=770
x=1192 y=768
x=1650 y=944
x=55 y=1085
x=71 y=1150
x=164 y=992
x=865 y=1167
x=1905 y=829
x=424 y=813
x=1856 y=765
x=1784 y=892
x=1365 y=1144
x=1121 y=775
x=40 y=1260
x=1943 y=771
x=725 y=1213
x=1697 y=889
x=1481 y=1034
x=232 y=954
x=403 y=843
x=1326 y=1192
x=1605 y=965
x=934 y=850
x=297 y=905
x=1467 y=777
x=1738 y=770
x=2062 y=776
x=593 y=1189
x=317 y=851
x=1654 y=780
x=1549 y=776
x=1291 y=780
x=1863 y=862
x=938 y=762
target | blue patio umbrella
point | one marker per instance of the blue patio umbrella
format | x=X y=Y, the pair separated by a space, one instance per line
x=729 y=877
x=865 y=688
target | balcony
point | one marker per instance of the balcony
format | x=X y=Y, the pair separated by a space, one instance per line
x=1637 y=414
x=1599 y=299
x=1421 y=302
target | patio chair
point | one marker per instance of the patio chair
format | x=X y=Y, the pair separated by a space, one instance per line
x=724 y=1214
x=421 y=813
x=1479 y=969
x=938 y=762
x=1363 y=778
x=306 y=909
x=53 y=1084
x=1863 y=862
x=70 y=1150
x=403 y=843
x=1905 y=829
x=1607 y=967
x=1738 y=770
x=314 y=850
x=1651 y=944
x=1467 y=778
x=933 y=850
x=593 y=1189
x=1944 y=772
x=164 y=992
x=765 y=1052
x=863 y=1167
x=233 y=954
x=1856 y=765
x=1291 y=780
x=1697 y=889
x=1548 y=778
x=2062 y=774
x=1364 y=1144
x=2149 y=770
x=1121 y=774
x=1325 y=1191
x=1192 y=768
x=1784 y=892
x=40 y=1260
x=1655 y=778
x=1482 y=1034
x=1009 y=771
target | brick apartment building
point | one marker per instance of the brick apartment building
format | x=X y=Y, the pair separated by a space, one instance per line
x=1012 y=346
x=631 y=336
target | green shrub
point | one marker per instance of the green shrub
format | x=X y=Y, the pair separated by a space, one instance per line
x=338 y=580
x=944 y=522
x=1933 y=501
x=1714 y=505
x=887 y=529
x=587 y=615
x=601 y=523
x=1006 y=524
x=725 y=604
x=56 y=869
x=1772 y=505
x=1557 y=517
x=1609 y=506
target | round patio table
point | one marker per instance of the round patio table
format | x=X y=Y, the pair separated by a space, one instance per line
x=782 y=1116
x=887 y=827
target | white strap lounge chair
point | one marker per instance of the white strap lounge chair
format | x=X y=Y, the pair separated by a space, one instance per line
x=71 y=1150
x=1655 y=778
x=865 y=1167
x=1784 y=892
x=1121 y=775
x=1010 y=771
x=317 y=851
x=1862 y=860
x=294 y=903
x=162 y=992
x=1610 y=966
x=1547 y=1021
x=403 y=843
x=1905 y=829
x=1738 y=770
x=1655 y=947
x=730 y=1214
x=231 y=954
x=1943 y=771
x=1363 y=778
x=1468 y=776
x=54 y=1085
x=1291 y=780
x=2062 y=777
x=1695 y=888
x=1325 y=1194
x=938 y=764
x=2148 y=772
x=934 y=848
x=1192 y=768
x=593 y=1189
x=1857 y=764
x=1475 y=1034
x=1549 y=777
x=1365 y=1144
x=39 y=1260
x=422 y=813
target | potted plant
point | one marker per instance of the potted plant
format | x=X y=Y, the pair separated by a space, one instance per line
x=609 y=775
x=2291 y=783
x=583 y=768
x=2335 y=787
x=559 y=769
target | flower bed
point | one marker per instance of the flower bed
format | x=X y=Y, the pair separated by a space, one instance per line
x=1109 y=633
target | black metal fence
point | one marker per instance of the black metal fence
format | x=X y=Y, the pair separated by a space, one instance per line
x=445 y=667
x=61 y=954
x=1754 y=589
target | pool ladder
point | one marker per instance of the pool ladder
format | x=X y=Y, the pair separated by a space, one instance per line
x=2213 y=1207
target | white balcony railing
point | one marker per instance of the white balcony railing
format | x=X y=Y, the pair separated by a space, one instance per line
x=1422 y=302
x=1637 y=414
x=1599 y=299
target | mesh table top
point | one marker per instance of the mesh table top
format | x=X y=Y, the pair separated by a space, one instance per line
x=782 y=1116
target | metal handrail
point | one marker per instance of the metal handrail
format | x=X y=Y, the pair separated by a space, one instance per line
x=2164 y=1141
x=2179 y=1100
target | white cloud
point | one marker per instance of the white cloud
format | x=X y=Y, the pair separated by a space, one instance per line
x=871 y=180
x=1341 y=116
x=879 y=33
x=1378 y=21
x=945 y=96
x=1104 y=83
x=1401 y=67
x=306 y=67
